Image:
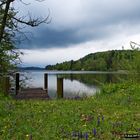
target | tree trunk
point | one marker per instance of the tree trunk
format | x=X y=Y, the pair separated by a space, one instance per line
x=4 y=19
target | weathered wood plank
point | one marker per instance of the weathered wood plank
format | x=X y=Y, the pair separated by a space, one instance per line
x=32 y=93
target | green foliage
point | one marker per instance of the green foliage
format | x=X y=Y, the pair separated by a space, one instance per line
x=9 y=55
x=11 y=33
x=135 y=65
x=107 y=115
x=102 y=61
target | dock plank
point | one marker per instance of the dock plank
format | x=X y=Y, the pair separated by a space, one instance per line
x=32 y=93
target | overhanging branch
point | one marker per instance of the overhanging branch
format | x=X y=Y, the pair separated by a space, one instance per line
x=33 y=22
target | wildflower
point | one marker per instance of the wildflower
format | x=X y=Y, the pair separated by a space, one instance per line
x=86 y=136
x=98 y=121
x=94 y=132
x=86 y=118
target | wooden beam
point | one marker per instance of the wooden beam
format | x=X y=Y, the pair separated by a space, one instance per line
x=46 y=81
x=17 y=83
x=60 y=87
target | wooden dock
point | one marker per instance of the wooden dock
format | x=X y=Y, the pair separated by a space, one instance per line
x=32 y=93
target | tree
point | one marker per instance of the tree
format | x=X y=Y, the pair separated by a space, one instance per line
x=135 y=66
x=9 y=26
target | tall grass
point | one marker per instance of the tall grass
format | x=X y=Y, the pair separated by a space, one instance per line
x=110 y=114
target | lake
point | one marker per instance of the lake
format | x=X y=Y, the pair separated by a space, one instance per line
x=76 y=83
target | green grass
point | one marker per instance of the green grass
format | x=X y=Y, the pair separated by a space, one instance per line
x=108 y=115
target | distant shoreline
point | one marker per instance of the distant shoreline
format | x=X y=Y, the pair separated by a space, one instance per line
x=31 y=68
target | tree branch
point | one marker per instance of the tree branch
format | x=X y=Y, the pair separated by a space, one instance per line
x=134 y=44
x=33 y=22
x=2 y=3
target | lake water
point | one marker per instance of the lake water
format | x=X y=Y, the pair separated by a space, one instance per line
x=76 y=83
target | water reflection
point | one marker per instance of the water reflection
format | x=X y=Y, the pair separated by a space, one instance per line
x=75 y=84
x=97 y=78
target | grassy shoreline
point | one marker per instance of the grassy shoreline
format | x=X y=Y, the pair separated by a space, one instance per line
x=108 y=115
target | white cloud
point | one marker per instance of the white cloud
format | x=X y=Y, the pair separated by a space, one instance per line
x=75 y=13
x=95 y=25
x=43 y=57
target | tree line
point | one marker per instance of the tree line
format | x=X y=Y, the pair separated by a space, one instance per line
x=102 y=61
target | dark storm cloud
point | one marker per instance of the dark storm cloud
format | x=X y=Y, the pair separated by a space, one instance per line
x=47 y=38
x=85 y=21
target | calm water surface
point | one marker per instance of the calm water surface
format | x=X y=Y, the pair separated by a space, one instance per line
x=76 y=83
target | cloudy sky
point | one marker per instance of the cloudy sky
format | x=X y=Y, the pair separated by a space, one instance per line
x=77 y=28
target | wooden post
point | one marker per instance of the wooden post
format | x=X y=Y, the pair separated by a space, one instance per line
x=1 y=85
x=7 y=84
x=17 y=83
x=60 y=87
x=46 y=81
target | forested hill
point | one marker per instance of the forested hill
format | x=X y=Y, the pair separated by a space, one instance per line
x=101 y=61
